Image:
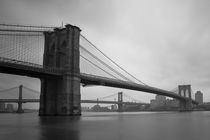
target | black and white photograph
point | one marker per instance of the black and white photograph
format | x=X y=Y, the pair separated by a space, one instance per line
x=104 y=69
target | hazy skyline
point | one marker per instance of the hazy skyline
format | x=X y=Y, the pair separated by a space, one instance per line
x=164 y=43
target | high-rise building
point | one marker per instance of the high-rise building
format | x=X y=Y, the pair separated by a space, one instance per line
x=199 y=97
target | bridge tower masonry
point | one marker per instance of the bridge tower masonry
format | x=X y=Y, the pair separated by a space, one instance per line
x=60 y=95
x=120 y=100
x=185 y=91
x=20 y=107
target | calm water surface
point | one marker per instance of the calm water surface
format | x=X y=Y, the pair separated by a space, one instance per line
x=107 y=126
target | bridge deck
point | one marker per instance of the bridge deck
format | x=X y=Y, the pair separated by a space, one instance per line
x=11 y=66
x=103 y=81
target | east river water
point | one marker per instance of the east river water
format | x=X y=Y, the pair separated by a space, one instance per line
x=107 y=126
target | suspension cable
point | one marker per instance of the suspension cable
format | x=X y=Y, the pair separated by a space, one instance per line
x=28 y=26
x=5 y=90
x=98 y=67
x=108 y=96
x=34 y=91
x=131 y=98
x=103 y=63
x=112 y=60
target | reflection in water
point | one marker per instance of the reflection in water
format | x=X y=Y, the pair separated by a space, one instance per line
x=59 y=128
x=107 y=126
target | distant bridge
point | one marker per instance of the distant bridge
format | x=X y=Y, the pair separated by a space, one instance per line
x=82 y=101
x=100 y=100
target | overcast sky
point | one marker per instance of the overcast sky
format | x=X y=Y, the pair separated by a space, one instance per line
x=161 y=42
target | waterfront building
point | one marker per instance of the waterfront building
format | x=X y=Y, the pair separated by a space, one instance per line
x=199 y=97
x=161 y=100
x=161 y=103
x=2 y=107
x=207 y=106
x=153 y=104
x=98 y=108
x=114 y=107
x=172 y=103
x=10 y=108
x=85 y=108
x=158 y=101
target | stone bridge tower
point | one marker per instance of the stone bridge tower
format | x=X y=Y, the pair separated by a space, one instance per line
x=185 y=91
x=60 y=95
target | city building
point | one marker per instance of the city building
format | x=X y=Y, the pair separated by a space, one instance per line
x=207 y=106
x=10 y=108
x=114 y=107
x=85 y=108
x=199 y=97
x=158 y=101
x=135 y=107
x=153 y=104
x=172 y=103
x=98 y=108
x=160 y=98
x=2 y=107
x=161 y=103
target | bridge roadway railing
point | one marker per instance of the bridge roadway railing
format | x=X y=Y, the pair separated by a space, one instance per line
x=104 y=81
x=13 y=63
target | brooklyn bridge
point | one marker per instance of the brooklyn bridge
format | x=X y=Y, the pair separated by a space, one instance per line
x=63 y=59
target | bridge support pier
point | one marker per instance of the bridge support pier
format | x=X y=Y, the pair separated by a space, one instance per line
x=60 y=95
x=120 y=100
x=20 y=108
x=186 y=105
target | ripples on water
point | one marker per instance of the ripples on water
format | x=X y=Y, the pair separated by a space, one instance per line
x=107 y=126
